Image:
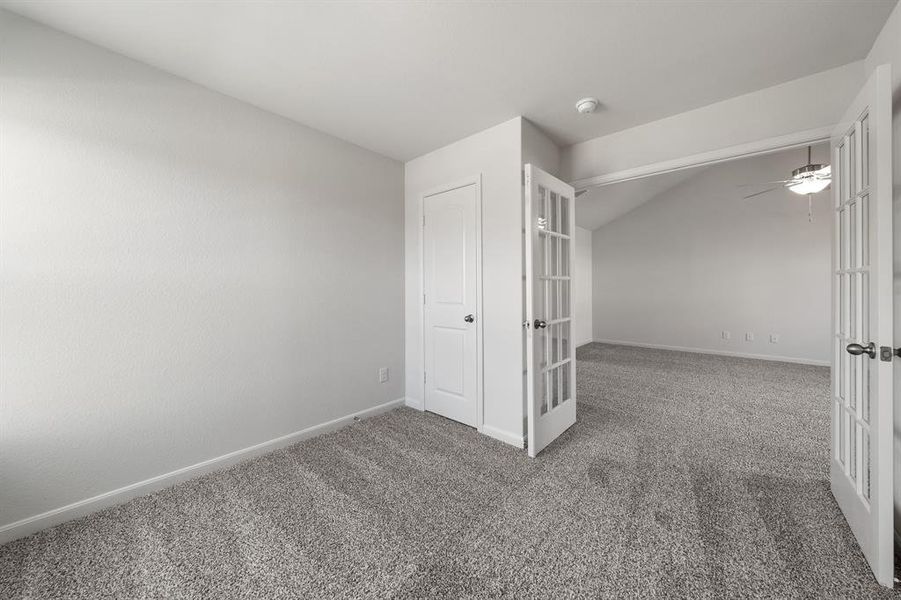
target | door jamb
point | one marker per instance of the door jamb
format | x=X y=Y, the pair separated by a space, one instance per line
x=475 y=180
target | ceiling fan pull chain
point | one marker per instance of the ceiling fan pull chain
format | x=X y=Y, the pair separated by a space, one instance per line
x=809 y=208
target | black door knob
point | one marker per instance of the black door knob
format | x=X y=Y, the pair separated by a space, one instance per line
x=857 y=349
x=469 y=318
x=539 y=324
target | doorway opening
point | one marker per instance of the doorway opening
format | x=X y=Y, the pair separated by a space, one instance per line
x=673 y=268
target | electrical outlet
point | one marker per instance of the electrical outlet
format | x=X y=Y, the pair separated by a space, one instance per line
x=383 y=375
x=727 y=335
x=774 y=338
x=749 y=336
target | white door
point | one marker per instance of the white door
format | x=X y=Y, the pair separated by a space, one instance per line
x=550 y=346
x=861 y=465
x=450 y=302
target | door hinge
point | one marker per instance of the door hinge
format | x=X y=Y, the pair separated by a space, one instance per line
x=424 y=376
x=423 y=220
x=423 y=298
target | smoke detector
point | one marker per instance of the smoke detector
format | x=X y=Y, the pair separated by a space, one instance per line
x=586 y=106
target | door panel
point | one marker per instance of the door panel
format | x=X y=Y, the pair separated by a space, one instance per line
x=861 y=465
x=550 y=347
x=450 y=306
x=450 y=359
x=450 y=254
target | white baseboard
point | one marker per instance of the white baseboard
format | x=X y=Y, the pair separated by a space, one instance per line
x=504 y=436
x=788 y=359
x=583 y=342
x=414 y=404
x=81 y=508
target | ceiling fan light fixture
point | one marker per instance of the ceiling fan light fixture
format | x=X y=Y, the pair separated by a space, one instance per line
x=809 y=186
x=810 y=179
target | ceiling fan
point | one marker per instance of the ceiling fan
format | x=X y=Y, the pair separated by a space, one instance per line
x=810 y=179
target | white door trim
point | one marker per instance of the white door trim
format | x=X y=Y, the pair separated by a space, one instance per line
x=475 y=180
x=797 y=139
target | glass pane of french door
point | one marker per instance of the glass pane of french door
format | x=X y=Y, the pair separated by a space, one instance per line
x=553 y=299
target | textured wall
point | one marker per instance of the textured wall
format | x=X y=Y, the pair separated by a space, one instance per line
x=183 y=275
x=582 y=287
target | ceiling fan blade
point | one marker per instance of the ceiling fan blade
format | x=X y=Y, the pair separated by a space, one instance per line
x=763 y=192
x=764 y=183
x=580 y=192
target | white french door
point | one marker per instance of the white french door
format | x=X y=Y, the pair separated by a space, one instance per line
x=450 y=302
x=550 y=347
x=861 y=464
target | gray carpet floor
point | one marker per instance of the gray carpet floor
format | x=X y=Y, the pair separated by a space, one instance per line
x=686 y=476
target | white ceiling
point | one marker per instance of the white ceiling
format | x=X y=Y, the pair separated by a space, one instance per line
x=404 y=78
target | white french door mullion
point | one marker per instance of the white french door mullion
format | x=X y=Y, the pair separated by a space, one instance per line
x=558 y=306
x=836 y=308
x=858 y=160
x=857 y=334
x=558 y=215
x=546 y=376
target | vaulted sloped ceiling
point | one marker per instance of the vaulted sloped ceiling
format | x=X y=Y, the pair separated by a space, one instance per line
x=601 y=205
x=404 y=78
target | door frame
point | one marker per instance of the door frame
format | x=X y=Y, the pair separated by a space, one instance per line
x=475 y=180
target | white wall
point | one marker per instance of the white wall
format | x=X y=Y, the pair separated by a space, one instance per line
x=697 y=260
x=183 y=275
x=539 y=150
x=887 y=50
x=582 y=288
x=495 y=154
x=807 y=103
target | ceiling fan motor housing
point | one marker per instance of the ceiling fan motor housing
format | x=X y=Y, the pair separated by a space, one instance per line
x=800 y=172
